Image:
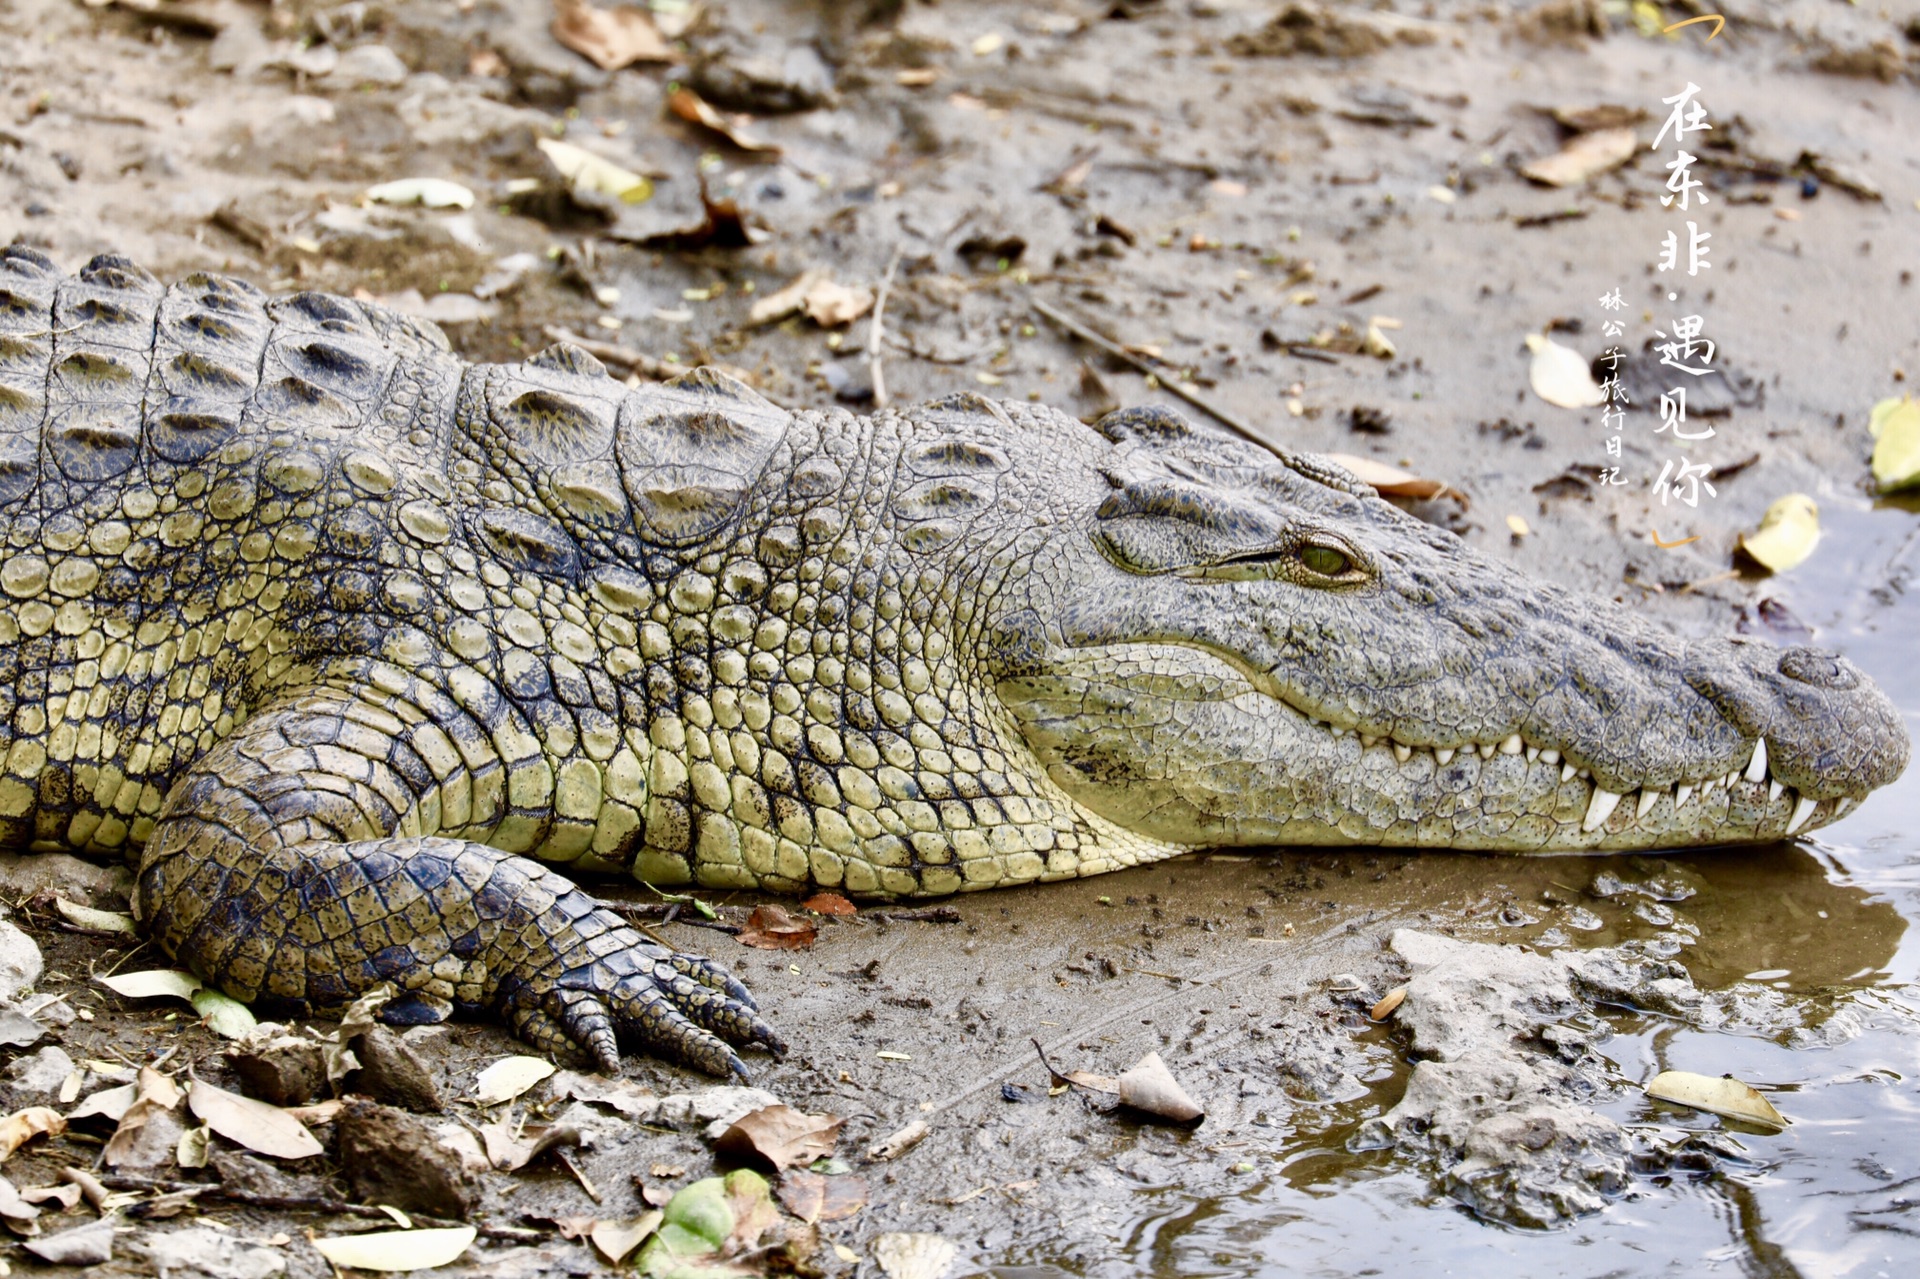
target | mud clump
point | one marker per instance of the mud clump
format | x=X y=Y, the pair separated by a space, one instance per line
x=1305 y=30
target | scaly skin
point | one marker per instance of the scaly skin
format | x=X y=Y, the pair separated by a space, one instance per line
x=354 y=647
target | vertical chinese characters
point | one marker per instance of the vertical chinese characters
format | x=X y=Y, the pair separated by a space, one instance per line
x=1684 y=349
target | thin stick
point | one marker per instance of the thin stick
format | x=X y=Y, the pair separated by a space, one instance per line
x=1119 y=352
x=302 y=1203
x=877 y=328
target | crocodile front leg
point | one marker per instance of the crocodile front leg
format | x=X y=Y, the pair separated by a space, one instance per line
x=279 y=872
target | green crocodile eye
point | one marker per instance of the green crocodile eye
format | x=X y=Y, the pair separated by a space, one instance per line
x=1325 y=560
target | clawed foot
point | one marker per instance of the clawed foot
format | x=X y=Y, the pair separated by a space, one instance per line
x=608 y=985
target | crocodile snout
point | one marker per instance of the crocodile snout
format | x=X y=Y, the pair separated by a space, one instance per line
x=1823 y=727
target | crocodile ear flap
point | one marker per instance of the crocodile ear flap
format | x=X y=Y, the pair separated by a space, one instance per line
x=1150 y=424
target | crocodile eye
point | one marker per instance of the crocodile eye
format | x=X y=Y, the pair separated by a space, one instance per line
x=1324 y=560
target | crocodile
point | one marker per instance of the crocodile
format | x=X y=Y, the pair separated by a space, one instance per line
x=364 y=655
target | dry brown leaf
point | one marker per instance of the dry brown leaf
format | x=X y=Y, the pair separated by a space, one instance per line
x=782 y=1136
x=1584 y=157
x=830 y=305
x=815 y=1198
x=67 y=1196
x=691 y=107
x=772 y=928
x=895 y=1144
x=1391 y=481
x=609 y=38
x=22 y=1126
x=263 y=1129
x=829 y=904
x=1151 y=1088
x=1388 y=1002
x=1092 y=1082
x=510 y=1149
x=155 y=1093
x=785 y=301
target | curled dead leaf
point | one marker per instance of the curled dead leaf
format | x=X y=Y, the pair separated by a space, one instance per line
x=898 y=1143
x=695 y=109
x=772 y=928
x=829 y=904
x=1391 y=481
x=1586 y=156
x=1787 y=534
x=609 y=38
x=787 y=299
x=830 y=305
x=1724 y=1096
x=781 y=1136
x=1560 y=375
x=1388 y=1002
x=1151 y=1088
x=22 y=1126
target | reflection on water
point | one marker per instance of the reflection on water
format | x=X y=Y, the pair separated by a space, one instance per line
x=1827 y=922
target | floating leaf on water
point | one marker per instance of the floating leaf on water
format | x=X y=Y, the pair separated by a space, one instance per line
x=395 y=1250
x=263 y=1129
x=1586 y=156
x=22 y=1126
x=588 y=174
x=1560 y=375
x=913 y=1255
x=94 y=921
x=1722 y=1096
x=1895 y=425
x=153 y=983
x=1787 y=534
x=508 y=1078
x=1388 y=1003
x=225 y=1016
x=433 y=193
x=609 y=38
x=1151 y=1089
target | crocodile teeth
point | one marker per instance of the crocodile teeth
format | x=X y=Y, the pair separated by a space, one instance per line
x=1647 y=797
x=1366 y=741
x=1486 y=750
x=1600 y=808
x=1402 y=753
x=1681 y=794
x=1773 y=791
x=1567 y=770
x=1757 y=768
x=1533 y=753
x=1512 y=746
x=1550 y=755
x=1844 y=807
x=1444 y=757
x=1801 y=811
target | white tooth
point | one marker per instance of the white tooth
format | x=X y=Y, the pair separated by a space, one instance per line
x=1757 y=767
x=1773 y=790
x=1366 y=741
x=1533 y=753
x=1844 y=807
x=1444 y=757
x=1647 y=797
x=1600 y=808
x=1801 y=811
x=1567 y=770
x=1486 y=750
x=1730 y=779
x=1551 y=755
x=1586 y=772
x=1512 y=746
x=1681 y=794
x=1402 y=753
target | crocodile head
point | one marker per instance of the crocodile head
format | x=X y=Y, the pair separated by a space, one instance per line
x=1218 y=647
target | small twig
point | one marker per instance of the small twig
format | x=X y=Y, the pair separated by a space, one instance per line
x=301 y=1203
x=1054 y=1076
x=925 y=915
x=639 y=913
x=1141 y=366
x=877 y=328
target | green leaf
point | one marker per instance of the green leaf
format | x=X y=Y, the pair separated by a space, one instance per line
x=225 y=1016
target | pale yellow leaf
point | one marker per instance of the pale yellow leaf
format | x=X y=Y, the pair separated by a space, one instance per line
x=98 y=921
x=397 y=1250
x=1787 y=534
x=1717 y=1096
x=433 y=193
x=1584 y=157
x=1560 y=376
x=1896 y=450
x=508 y=1078
x=152 y=984
x=263 y=1129
x=588 y=173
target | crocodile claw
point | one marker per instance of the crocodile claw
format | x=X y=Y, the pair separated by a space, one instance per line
x=606 y=984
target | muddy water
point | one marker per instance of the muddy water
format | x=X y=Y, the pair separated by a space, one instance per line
x=1832 y=921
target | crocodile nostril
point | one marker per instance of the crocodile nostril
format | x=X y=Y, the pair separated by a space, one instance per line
x=1819 y=668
